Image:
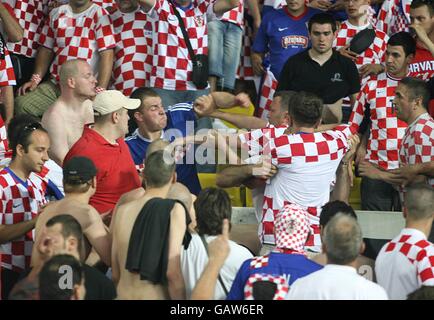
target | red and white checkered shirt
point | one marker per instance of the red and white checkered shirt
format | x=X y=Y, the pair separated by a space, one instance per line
x=386 y=129
x=30 y=14
x=106 y=4
x=19 y=202
x=172 y=65
x=77 y=36
x=236 y=15
x=405 y=264
x=269 y=86
x=418 y=143
x=394 y=16
x=307 y=166
x=4 y=144
x=7 y=75
x=133 y=58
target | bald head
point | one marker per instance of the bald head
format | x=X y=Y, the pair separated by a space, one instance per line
x=419 y=201
x=342 y=239
x=70 y=69
x=156 y=145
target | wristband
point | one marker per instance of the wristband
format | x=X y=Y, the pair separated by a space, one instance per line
x=36 y=78
x=99 y=89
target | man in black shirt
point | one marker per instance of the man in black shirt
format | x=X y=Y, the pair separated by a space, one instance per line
x=321 y=70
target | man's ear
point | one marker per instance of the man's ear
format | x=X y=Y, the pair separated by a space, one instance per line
x=115 y=117
x=71 y=83
x=138 y=116
x=20 y=150
x=409 y=58
x=93 y=182
x=72 y=244
x=174 y=177
x=362 y=247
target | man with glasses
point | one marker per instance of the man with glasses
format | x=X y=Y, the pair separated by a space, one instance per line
x=20 y=199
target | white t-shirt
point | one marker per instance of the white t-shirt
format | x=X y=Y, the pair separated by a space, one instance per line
x=195 y=258
x=335 y=282
x=405 y=264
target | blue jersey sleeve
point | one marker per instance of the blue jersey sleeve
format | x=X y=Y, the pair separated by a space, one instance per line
x=182 y=117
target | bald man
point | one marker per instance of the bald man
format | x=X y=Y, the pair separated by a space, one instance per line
x=65 y=119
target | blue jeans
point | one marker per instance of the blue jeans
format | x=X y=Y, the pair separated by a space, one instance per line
x=224 y=49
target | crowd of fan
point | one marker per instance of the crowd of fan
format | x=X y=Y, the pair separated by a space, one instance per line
x=104 y=128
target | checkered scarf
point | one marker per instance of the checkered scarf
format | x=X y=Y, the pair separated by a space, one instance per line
x=292 y=228
x=281 y=290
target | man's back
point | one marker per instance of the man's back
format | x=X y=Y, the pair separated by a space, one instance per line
x=129 y=285
x=93 y=227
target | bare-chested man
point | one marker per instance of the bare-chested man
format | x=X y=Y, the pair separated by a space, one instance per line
x=65 y=119
x=79 y=178
x=160 y=176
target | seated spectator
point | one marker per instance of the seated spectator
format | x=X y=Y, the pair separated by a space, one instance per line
x=407 y=261
x=66 y=118
x=338 y=280
x=62 y=234
x=148 y=234
x=105 y=146
x=288 y=259
x=212 y=206
x=79 y=178
x=52 y=274
x=364 y=265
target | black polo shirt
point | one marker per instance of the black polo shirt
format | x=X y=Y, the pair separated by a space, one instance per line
x=335 y=79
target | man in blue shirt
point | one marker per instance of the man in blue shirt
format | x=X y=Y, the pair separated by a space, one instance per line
x=282 y=33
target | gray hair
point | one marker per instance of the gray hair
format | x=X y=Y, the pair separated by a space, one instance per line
x=342 y=239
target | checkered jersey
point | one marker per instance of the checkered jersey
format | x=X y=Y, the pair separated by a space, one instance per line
x=268 y=89
x=133 y=58
x=106 y=4
x=375 y=54
x=386 y=129
x=30 y=14
x=405 y=264
x=7 y=75
x=256 y=139
x=307 y=166
x=172 y=65
x=4 y=144
x=19 y=202
x=259 y=262
x=418 y=142
x=235 y=15
x=77 y=36
x=394 y=16
x=245 y=69
x=282 y=287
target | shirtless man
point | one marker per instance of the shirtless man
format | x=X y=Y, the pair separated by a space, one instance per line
x=79 y=178
x=160 y=176
x=65 y=119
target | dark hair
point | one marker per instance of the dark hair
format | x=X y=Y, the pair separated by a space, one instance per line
x=285 y=96
x=52 y=273
x=70 y=227
x=405 y=40
x=322 y=18
x=330 y=209
x=20 y=130
x=420 y=3
x=141 y=94
x=417 y=89
x=212 y=206
x=159 y=167
x=306 y=108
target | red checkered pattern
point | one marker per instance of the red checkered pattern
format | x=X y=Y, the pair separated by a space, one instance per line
x=259 y=262
x=245 y=69
x=7 y=75
x=420 y=254
x=307 y=165
x=236 y=15
x=281 y=283
x=172 y=66
x=418 y=142
x=106 y=4
x=133 y=58
x=255 y=140
x=18 y=203
x=394 y=16
x=292 y=228
x=4 y=144
x=386 y=129
x=268 y=89
x=77 y=37
x=30 y=15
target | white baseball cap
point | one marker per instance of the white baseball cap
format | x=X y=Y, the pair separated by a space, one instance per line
x=110 y=101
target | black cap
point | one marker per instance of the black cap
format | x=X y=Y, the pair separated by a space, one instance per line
x=79 y=170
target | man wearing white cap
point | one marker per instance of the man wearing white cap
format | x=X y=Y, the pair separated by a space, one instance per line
x=105 y=146
x=288 y=260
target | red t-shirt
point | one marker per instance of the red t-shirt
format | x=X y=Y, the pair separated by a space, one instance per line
x=116 y=171
x=422 y=65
